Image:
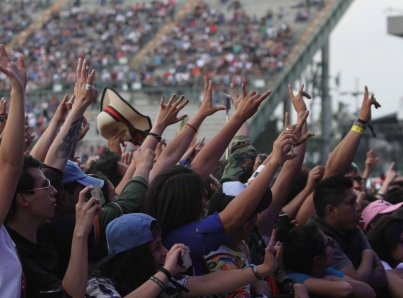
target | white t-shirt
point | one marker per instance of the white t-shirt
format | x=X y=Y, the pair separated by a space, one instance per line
x=11 y=271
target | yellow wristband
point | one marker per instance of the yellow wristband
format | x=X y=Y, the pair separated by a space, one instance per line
x=358 y=129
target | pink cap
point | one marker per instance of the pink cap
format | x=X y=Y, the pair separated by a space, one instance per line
x=378 y=207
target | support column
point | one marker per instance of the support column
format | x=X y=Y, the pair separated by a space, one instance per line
x=326 y=105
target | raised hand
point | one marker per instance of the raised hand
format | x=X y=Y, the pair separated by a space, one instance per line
x=84 y=129
x=281 y=147
x=160 y=147
x=250 y=103
x=314 y=176
x=298 y=100
x=272 y=253
x=85 y=211
x=390 y=175
x=365 y=113
x=370 y=162
x=63 y=108
x=168 y=114
x=86 y=93
x=144 y=157
x=297 y=128
x=236 y=99
x=207 y=107
x=15 y=72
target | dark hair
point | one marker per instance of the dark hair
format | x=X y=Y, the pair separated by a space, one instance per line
x=174 y=198
x=396 y=184
x=394 y=196
x=71 y=186
x=129 y=269
x=353 y=168
x=330 y=191
x=108 y=164
x=300 y=246
x=299 y=184
x=385 y=237
x=25 y=182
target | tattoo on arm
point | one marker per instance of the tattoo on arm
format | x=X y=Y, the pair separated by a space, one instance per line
x=63 y=150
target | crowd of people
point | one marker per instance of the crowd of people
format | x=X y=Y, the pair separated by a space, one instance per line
x=174 y=220
x=16 y=16
x=110 y=36
x=205 y=41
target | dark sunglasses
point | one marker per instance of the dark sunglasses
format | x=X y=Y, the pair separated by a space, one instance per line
x=360 y=180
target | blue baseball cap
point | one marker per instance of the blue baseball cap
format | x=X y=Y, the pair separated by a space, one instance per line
x=129 y=231
x=72 y=172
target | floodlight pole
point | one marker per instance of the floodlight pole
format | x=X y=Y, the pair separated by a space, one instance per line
x=326 y=120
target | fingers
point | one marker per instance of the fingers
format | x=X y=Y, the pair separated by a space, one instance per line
x=272 y=238
x=243 y=90
x=391 y=166
x=83 y=193
x=64 y=99
x=3 y=105
x=264 y=95
x=307 y=95
x=90 y=78
x=303 y=120
x=180 y=118
x=205 y=84
x=236 y=94
x=303 y=138
x=290 y=93
x=286 y=121
x=171 y=100
x=301 y=89
x=20 y=62
x=182 y=105
x=179 y=100
x=366 y=92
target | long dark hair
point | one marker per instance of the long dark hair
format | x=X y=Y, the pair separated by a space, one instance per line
x=175 y=198
x=300 y=246
x=131 y=268
x=385 y=237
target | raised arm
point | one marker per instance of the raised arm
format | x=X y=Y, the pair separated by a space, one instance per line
x=76 y=277
x=12 y=145
x=207 y=159
x=178 y=146
x=45 y=141
x=167 y=115
x=241 y=207
x=285 y=180
x=315 y=175
x=342 y=157
x=59 y=151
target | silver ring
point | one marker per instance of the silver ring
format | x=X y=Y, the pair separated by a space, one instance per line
x=88 y=87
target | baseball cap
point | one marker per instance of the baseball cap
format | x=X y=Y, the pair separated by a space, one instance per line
x=378 y=207
x=129 y=231
x=72 y=172
x=228 y=191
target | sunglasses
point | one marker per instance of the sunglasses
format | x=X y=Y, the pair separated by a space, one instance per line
x=360 y=180
x=330 y=242
x=46 y=186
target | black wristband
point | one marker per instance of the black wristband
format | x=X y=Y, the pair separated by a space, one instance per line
x=362 y=121
x=166 y=272
x=159 y=138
